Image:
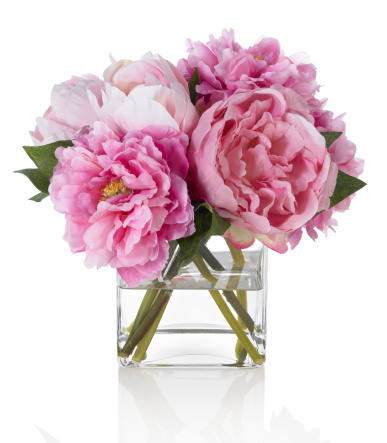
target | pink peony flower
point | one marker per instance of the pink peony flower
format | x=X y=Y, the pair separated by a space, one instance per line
x=150 y=70
x=70 y=110
x=262 y=165
x=124 y=197
x=225 y=68
x=342 y=153
x=83 y=100
x=123 y=112
x=156 y=77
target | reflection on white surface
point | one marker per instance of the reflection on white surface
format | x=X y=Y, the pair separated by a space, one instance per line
x=47 y=437
x=199 y=405
x=284 y=429
x=183 y=405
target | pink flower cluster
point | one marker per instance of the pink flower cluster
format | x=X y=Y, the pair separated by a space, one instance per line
x=122 y=186
x=251 y=146
x=227 y=70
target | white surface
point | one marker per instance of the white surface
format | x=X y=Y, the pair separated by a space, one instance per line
x=325 y=375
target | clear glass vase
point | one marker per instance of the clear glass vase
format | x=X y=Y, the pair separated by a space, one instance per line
x=211 y=313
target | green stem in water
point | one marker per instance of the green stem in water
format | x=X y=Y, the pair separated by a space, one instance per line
x=239 y=303
x=225 y=310
x=235 y=302
x=129 y=328
x=142 y=347
x=242 y=298
x=239 y=261
x=235 y=326
x=146 y=323
x=146 y=303
x=244 y=318
x=240 y=351
x=237 y=254
x=210 y=258
x=199 y=262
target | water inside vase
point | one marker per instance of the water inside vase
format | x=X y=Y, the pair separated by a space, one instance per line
x=193 y=331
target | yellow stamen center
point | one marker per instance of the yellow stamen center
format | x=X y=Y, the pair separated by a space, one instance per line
x=258 y=57
x=114 y=188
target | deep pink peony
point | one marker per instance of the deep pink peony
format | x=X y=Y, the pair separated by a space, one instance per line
x=124 y=197
x=70 y=110
x=262 y=165
x=225 y=68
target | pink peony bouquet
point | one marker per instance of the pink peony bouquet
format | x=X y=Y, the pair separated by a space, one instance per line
x=156 y=158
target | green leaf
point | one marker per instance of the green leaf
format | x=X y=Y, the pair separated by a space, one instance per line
x=195 y=80
x=44 y=156
x=218 y=225
x=346 y=185
x=207 y=223
x=38 y=179
x=330 y=137
x=39 y=197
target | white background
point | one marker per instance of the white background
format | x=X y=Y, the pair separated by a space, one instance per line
x=325 y=377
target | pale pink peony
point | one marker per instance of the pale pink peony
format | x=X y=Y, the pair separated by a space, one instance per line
x=154 y=76
x=225 y=68
x=262 y=165
x=143 y=106
x=124 y=197
x=70 y=110
x=149 y=70
x=83 y=100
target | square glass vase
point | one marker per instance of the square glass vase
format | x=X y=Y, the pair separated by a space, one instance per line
x=209 y=312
